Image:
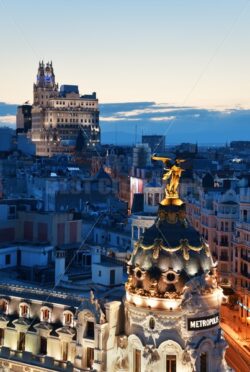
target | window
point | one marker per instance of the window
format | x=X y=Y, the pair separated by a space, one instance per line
x=43 y=346
x=68 y=318
x=1 y=336
x=157 y=198
x=112 y=277
x=150 y=199
x=7 y=259
x=90 y=357
x=99 y=273
x=45 y=315
x=4 y=306
x=203 y=362
x=21 y=342
x=171 y=363
x=65 y=348
x=137 y=361
x=90 y=330
x=135 y=233
x=23 y=311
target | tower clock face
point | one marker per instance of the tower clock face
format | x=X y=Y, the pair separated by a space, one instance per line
x=48 y=78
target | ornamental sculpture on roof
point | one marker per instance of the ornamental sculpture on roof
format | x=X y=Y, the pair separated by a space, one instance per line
x=172 y=173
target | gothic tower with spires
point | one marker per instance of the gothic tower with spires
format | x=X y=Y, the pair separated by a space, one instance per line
x=45 y=86
x=59 y=116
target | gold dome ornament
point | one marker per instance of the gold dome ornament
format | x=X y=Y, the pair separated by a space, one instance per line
x=172 y=173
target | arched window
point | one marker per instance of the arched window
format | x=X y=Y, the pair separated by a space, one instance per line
x=4 y=306
x=24 y=310
x=203 y=362
x=68 y=318
x=137 y=360
x=45 y=314
x=171 y=363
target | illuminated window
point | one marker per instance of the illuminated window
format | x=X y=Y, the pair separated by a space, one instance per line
x=137 y=360
x=21 y=342
x=1 y=336
x=45 y=314
x=3 y=306
x=23 y=311
x=65 y=349
x=90 y=357
x=68 y=317
x=171 y=363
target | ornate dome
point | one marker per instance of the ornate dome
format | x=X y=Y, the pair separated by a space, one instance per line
x=170 y=254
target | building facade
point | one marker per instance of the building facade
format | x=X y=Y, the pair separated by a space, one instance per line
x=61 y=117
x=241 y=256
x=23 y=118
x=213 y=211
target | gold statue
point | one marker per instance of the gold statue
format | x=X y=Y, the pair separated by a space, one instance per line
x=173 y=172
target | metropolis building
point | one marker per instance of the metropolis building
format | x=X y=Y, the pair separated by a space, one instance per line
x=168 y=319
x=60 y=116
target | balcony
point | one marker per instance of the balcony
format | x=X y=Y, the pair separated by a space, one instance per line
x=243 y=225
x=227 y=215
x=25 y=358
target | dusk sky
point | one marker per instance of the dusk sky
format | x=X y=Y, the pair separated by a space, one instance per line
x=181 y=52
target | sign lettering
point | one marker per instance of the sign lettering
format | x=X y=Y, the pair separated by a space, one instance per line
x=203 y=323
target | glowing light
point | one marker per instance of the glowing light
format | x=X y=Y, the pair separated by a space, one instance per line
x=192 y=269
x=151 y=302
x=138 y=301
x=171 y=304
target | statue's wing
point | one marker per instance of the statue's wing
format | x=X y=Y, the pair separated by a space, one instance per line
x=161 y=158
x=178 y=161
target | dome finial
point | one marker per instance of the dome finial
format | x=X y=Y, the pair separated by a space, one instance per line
x=172 y=172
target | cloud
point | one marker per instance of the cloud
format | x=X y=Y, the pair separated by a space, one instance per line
x=152 y=110
x=115 y=118
x=216 y=125
x=163 y=118
x=8 y=119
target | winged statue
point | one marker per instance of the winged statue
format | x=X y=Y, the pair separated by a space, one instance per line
x=173 y=172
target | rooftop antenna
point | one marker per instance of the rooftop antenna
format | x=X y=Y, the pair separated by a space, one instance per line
x=135 y=134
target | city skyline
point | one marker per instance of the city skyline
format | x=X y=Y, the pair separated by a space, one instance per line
x=125 y=186
x=177 y=53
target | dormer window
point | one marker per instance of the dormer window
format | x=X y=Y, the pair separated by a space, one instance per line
x=24 y=310
x=45 y=314
x=4 y=306
x=68 y=318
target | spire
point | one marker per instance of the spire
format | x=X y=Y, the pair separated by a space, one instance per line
x=45 y=75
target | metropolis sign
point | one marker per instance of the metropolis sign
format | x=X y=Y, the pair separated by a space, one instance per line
x=196 y=324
